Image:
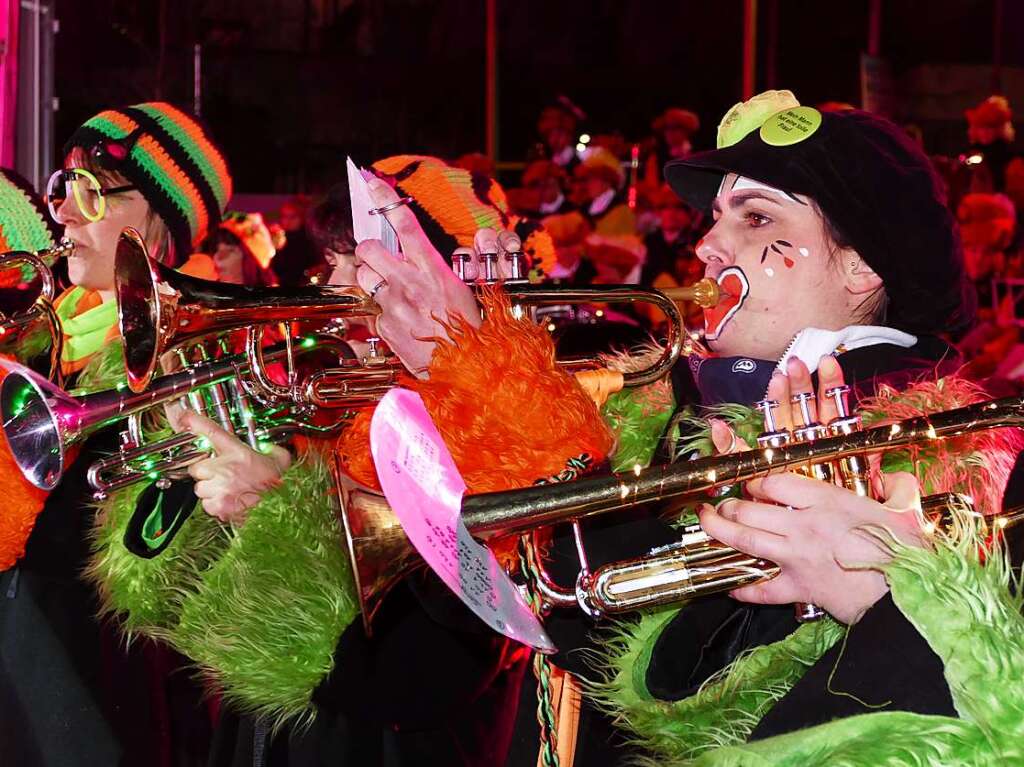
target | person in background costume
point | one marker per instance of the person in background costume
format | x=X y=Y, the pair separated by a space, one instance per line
x=990 y=134
x=243 y=250
x=673 y=130
x=297 y=258
x=70 y=691
x=25 y=225
x=556 y=127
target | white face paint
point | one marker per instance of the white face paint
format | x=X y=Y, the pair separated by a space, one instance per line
x=778 y=241
x=748 y=183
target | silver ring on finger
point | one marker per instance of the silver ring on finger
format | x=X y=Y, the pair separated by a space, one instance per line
x=390 y=206
x=377 y=287
x=733 y=442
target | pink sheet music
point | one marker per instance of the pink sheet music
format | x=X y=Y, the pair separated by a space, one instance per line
x=424 y=488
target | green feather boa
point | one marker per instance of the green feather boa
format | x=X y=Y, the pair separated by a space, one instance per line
x=960 y=603
x=258 y=608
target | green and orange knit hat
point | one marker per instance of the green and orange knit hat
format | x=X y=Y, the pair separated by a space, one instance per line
x=452 y=203
x=172 y=160
x=24 y=221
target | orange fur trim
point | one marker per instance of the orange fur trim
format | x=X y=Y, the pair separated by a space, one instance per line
x=506 y=411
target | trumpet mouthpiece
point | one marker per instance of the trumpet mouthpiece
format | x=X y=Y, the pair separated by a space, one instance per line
x=705 y=293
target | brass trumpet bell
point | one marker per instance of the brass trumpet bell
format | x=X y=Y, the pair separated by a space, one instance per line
x=41 y=424
x=159 y=308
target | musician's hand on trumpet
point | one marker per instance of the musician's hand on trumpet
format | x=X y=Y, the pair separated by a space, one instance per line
x=416 y=291
x=813 y=530
x=233 y=479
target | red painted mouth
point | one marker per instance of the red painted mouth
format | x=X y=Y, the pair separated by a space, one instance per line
x=735 y=288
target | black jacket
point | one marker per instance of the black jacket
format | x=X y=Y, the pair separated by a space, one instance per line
x=71 y=692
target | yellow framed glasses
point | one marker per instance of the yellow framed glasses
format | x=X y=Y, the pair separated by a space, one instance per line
x=86 y=190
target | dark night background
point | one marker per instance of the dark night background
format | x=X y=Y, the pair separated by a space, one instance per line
x=292 y=86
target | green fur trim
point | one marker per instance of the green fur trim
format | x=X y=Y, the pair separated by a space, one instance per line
x=146 y=594
x=104 y=370
x=263 y=622
x=746 y=421
x=893 y=739
x=728 y=706
x=968 y=608
x=638 y=417
x=963 y=604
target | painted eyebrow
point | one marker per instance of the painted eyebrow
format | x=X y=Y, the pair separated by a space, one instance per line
x=739 y=199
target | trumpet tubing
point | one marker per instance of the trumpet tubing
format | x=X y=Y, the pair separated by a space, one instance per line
x=160 y=309
x=18 y=322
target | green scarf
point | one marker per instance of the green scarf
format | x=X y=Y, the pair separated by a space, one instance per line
x=87 y=332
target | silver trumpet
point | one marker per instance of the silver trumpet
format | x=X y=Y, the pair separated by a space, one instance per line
x=41 y=424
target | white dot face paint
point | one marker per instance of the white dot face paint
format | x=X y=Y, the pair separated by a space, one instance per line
x=769 y=271
x=804 y=252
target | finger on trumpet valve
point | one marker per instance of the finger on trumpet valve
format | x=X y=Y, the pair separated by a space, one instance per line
x=772 y=436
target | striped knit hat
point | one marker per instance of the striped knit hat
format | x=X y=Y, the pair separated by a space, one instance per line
x=452 y=203
x=24 y=221
x=171 y=159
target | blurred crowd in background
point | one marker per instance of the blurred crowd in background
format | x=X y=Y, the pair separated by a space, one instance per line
x=612 y=219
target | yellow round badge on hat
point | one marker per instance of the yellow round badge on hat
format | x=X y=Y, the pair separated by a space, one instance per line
x=790 y=126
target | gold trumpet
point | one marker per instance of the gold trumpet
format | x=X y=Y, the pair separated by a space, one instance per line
x=381 y=554
x=27 y=302
x=160 y=309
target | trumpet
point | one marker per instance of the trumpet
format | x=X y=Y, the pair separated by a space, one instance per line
x=381 y=553
x=160 y=309
x=42 y=425
x=28 y=287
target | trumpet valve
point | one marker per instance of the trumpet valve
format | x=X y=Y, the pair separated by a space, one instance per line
x=126 y=442
x=374 y=355
x=854 y=470
x=839 y=395
x=490 y=262
x=767 y=408
x=515 y=265
x=459 y=261
x=772 y=436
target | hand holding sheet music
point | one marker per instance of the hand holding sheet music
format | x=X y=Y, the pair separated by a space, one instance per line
x=412 y=283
